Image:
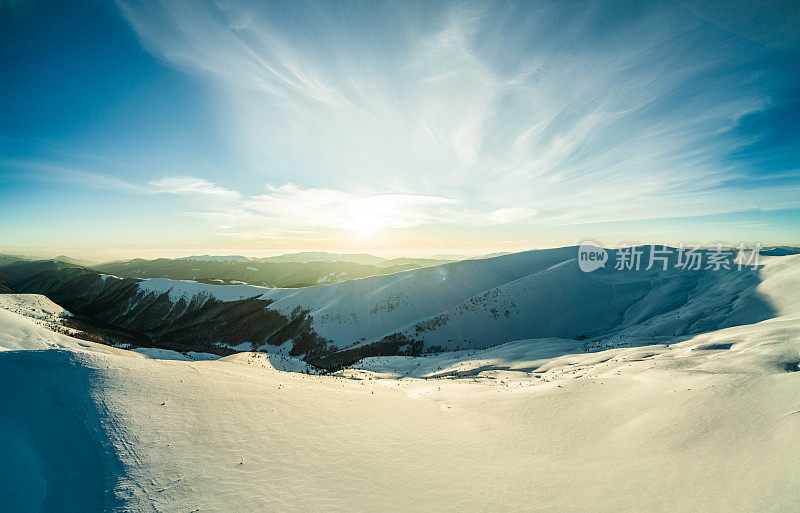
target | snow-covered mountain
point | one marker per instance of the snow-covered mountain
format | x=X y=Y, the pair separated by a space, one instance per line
x=707 y=422
x=472 y=304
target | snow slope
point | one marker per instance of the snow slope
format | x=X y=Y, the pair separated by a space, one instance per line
x=705 y=422
x=368 y=308
x=535 y=294
x=53 y=455
x=472 y=304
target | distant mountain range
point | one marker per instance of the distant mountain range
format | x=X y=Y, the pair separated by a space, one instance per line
x=216 y=258
x=291 y=270
x=323 y=256
x=297 y=270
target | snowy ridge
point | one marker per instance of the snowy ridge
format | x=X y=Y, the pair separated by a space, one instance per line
x=188 y=290
x=529 y=295
x=371 y=307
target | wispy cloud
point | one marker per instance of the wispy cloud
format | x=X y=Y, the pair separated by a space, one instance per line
x=466 y=113
x=193 y=186
x=58 y=172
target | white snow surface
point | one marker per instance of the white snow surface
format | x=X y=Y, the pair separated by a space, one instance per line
x=703 y=423
x=166 y=354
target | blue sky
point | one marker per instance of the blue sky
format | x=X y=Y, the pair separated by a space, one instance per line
x=169 y=128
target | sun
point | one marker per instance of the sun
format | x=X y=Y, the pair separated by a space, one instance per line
x=365 y=226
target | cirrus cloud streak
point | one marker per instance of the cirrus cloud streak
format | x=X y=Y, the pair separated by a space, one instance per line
x=480 y=113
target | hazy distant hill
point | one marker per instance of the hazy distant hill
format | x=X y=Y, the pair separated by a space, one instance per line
x=412 y=262
x=217 y=258
x=8 y=259
x=780 y=251
x=323 y=256
x=76 y=261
